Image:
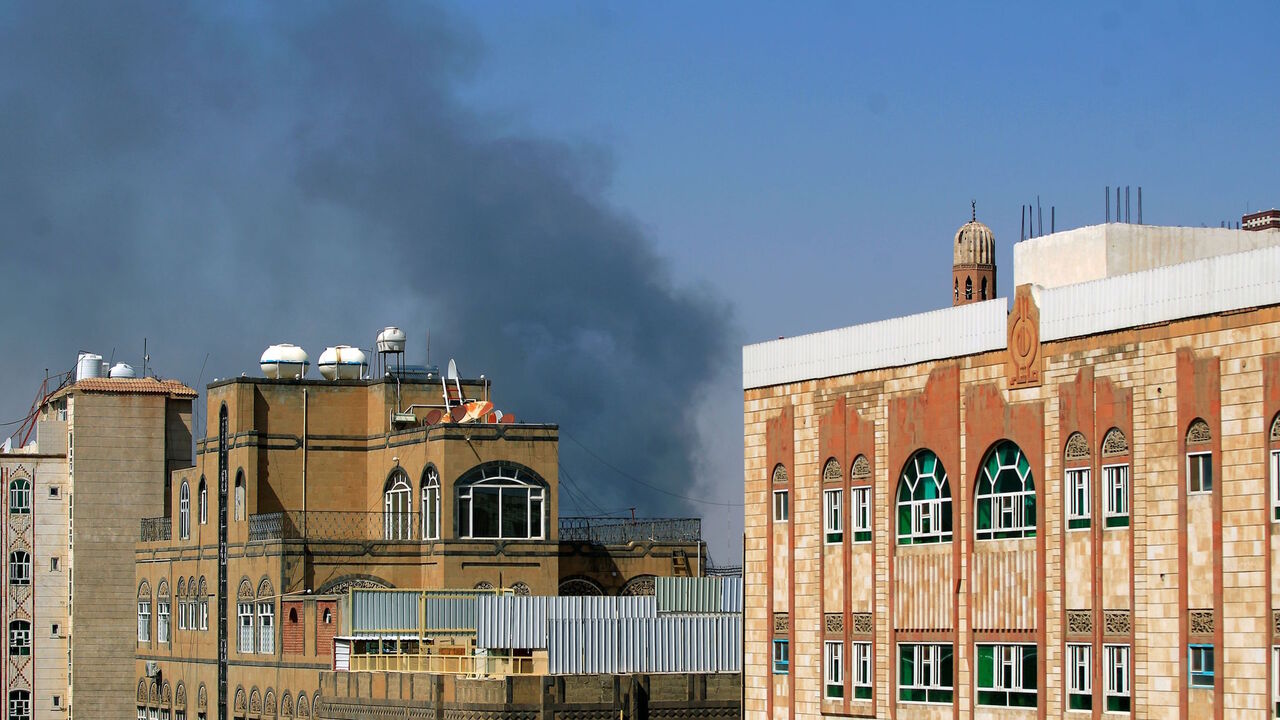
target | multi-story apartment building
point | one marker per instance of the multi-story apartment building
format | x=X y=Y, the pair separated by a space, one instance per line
x=302 y=489
x=101 y=451
x=1066 y=508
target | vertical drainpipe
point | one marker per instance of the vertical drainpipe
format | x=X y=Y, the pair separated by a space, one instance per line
x=304 y=465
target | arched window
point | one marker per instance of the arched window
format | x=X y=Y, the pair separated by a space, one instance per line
x=924 y=501
x=501 y=500
x=431 y=504
x=162 y=612
x=202 y=596
x=184 y=512
x=968 y=288
x=1006 y=495
x=328 y=616
x=1199 y=458
x=20 y=496
x=266 y=618
x=202 y=502
x=19 y=705
x=19 y=638
x=956 y=289
x=984 y=289
x=397 y=507
x=239 y=495
x=244 y=616
x=19 y=568
x=144 y=612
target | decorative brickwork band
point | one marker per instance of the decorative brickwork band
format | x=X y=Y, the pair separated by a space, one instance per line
x=1115 y=443
x=781 y=622
x=1201 y=622
x=1079 y=622
x=1199 y=433
x=834 y=623
x=862 y=624
x=832 y=472
x=1077 y=447
x=1117 y=622
x=861 y=468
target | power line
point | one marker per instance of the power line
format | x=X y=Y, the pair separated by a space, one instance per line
x=638 y=481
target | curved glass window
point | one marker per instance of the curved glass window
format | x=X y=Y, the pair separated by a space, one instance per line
x=184 y=512
x=1006 y=495
x=924 y=501
x=19 y=568
x=20 y=496
x=501 y=501
x=431 y=505
x=397 y=506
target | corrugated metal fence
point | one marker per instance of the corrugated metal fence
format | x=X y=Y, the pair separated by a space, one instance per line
x=664 y=644
x=414 y=611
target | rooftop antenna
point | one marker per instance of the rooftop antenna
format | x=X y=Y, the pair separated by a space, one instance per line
x=1106 y=196
x=1053 y=219
x=1039 y=218
x=1139 y=204
x=146 y=358
x=973 y=211
x=1022 y=233
x=1126 y=204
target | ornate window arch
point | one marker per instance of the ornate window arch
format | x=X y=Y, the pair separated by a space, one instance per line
x=202 y=697
x=266 y=618
x=184 y=511
x=202 y=600
x=162 y=611
x=638 y=585
x=431 y=503
x=1115 y=478
x=19 y=496
x=580 y=587
x=255 y=701
x=142 y=692
x=180 y=697
x=286 y=705
x=1078 y=481
x=182 y=603
x=1114 y=443
x=397 y=506
x=19 y=567
x=861 y=468
x=1274 y=459
x=501 y=501
x=924 y=501
x=1005 y=495
x=240 y=704
x=144 y=612
x=303 y=706
x=269 y=703
x=520 y=588
x=1199 y=457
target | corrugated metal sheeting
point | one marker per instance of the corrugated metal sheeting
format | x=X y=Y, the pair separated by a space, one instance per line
x=397 y=611
x=1202 y=287
x=521 y=622
x=664 y=644
x=949 y=332
x=698 y=594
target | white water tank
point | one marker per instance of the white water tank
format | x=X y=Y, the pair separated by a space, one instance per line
x=284 y=361
x=342 y=362
x=88 y=365
x=122 y=370
x=391 y=340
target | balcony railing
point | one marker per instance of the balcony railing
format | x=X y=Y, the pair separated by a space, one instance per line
x=156 y=529
x=620 y=531
x=475 y=665
x=325 y=525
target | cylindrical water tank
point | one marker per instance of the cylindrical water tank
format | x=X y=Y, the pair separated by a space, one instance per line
x=122 y=370
x=88 y=365
x=391 y=340
x=284 y=361
x=342 y=362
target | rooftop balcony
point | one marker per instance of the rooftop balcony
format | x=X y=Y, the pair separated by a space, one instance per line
x=621 y=531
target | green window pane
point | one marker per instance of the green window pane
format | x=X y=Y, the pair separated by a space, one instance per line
x=1022 y=699
x=1118 y=521
x=904 y=522
x=1080 y=702
x=862 y=536
x=939 y=696
x=986 y=666
x=1119 y=703
x=906 y=668
x=1082 y=523
x=992 y=697
x=862 y=692
x=984 y=513
x=1030 y=672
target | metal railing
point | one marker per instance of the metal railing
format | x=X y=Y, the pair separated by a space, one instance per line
x=327 y=525
x=620 y=531
x=442 y=664
x=156 y=529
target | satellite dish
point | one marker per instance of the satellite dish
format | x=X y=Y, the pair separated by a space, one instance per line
x=453 y=370
x=433 y=416
x=457 y=413
x=495 y=417
x=508 y=419
x=477 y=410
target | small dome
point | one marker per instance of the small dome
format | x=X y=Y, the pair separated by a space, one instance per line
x=975 y=244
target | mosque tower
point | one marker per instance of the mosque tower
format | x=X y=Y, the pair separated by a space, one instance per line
x=973 y=271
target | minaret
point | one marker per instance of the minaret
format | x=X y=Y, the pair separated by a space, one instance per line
x=973 y=271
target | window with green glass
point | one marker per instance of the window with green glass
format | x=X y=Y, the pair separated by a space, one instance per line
x=1078 y=502
x=860 y=513
x=924 y=501
x=861 y=667
x=833 y=511
x=925 y=673
x=1007 y=675
x=1117 y=682
x=1006 y=496
x=1116 y=478
x=1080 y=672
x=833 y=662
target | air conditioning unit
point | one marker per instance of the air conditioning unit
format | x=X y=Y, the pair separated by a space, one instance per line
x=153 y=668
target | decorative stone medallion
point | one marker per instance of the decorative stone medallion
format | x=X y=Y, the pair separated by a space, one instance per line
x=1115 y=443
x=1023 y=363
x=861 y=468
x=1077 y=447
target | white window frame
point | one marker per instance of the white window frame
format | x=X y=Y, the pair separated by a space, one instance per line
x=182 y=614
x=1118 y=658
x=832 y=512
x=927 y=659
x=927 y=514
x=1078 y=490
x=1275 y=485
x=1008 y=509
x=503 y=479
x=162 y=621
x=1113 y=476
x=20 y=496
x=1007 y=675
x=833 y=669
x=860 y=512
x=203 y=501
x=204 y=613
x=397 y=508
x=781 y=513
x=431 y=505
x=1079 y=673
x=1209 y=462
x=184 y=511
x=144 y=621
x=245 y=610
x=860 y=666
x=266 y=628
x=19 y=567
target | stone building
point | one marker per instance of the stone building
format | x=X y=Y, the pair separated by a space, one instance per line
x=313 y=487
x=97 y=450
x=1065 y=506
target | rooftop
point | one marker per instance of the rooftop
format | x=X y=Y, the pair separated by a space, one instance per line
x=131 y=386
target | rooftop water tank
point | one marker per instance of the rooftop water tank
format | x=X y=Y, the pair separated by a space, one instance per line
x=342 y=362
x=122 y=370
x=391 y=340
x=88 y=365
x=284 y=361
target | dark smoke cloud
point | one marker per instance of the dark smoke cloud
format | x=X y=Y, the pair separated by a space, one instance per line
x=216 y=178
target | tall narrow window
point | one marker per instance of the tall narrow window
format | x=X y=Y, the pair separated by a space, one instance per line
x=266 y=628
x=1275 y=680
x=1080 y=669
x=202 y=503
x=1117 y=504
x=202 y=597
x=1199 y=473
x=239 y=496
x=397 y=504
x=924 y=501
x=431 y=505
x=925 y=673
x=1200 y=664
x=781 y=506
x=833 y=656
x=244 y=611
x=861 y=668
x=144 y=613
x=1275 y=485
x=968 y=288
x=162 y=621
x=832 y=502
x=1007 y=675
x=1117 y=681
x=781 y=657
x=1078 y=502
x=19 y=638
x=184 y=512
x=19 y=705
x=1006 y=496
x=860 y=513
x=19 y=568
x=19 y=496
